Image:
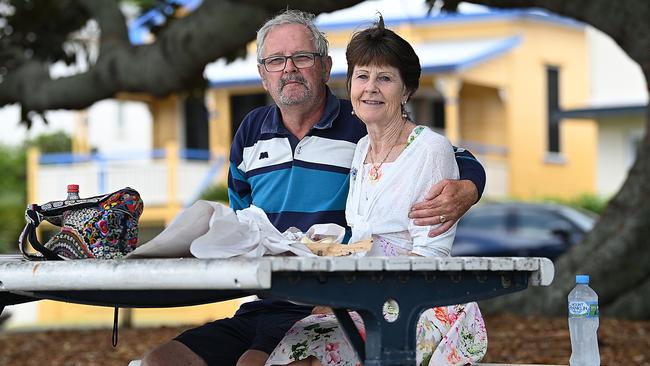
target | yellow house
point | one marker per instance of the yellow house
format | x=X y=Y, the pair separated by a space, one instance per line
x=485 y=84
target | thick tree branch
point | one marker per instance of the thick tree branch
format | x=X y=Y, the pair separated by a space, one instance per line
x=110 y=19
x=312 y=6
x=174 y=62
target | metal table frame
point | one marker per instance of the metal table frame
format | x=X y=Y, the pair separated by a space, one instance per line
x=361 y=284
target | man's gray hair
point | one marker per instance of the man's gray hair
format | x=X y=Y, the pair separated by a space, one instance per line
x=293 y=17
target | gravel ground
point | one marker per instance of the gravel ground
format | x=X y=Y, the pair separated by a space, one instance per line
x=512 y=339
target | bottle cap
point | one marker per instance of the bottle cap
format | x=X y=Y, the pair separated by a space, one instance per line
x=582 y=279
x=73 y=188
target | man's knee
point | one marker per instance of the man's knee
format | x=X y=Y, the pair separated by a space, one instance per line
x=172 y=353
x=253 y=357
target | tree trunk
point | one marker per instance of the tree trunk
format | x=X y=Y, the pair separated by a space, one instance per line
x=615 y=253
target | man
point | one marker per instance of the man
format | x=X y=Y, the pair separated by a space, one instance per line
x=293 y=161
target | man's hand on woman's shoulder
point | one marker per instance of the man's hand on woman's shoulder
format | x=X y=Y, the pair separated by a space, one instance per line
x=446 y=202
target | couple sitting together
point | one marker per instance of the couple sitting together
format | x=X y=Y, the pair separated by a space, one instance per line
x=314 y=158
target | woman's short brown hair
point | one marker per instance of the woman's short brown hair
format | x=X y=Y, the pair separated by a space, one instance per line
x=378 y=46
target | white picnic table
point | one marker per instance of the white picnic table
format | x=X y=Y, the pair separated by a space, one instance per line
x=363 y=284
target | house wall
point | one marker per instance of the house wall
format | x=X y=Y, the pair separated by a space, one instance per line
x=482 y=116
x=218 y=102
x=533 y=171
x=220 y=116
x=616 y=78
x=119 y=126
x=167 y=116
x=616 y=151
x=484 y=132
x=616 y=81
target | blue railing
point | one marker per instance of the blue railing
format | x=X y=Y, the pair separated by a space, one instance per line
x=194 y=154
x=70 y=158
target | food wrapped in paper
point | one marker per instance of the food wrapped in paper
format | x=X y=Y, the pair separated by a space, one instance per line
x=338 y=250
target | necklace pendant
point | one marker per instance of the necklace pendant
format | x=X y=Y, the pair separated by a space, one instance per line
x=374 y=173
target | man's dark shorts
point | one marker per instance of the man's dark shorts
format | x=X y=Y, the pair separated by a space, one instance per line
x=257 y=326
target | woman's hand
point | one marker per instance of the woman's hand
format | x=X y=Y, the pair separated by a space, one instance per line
x=446 y=202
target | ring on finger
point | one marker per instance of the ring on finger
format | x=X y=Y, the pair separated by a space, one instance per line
x=442 y=219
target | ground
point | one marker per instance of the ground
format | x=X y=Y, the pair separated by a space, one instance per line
x=512 y=339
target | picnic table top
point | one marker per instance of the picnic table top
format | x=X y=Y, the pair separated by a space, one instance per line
x=235 y=273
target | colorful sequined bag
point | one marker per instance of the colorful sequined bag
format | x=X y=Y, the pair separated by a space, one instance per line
x=102 y=227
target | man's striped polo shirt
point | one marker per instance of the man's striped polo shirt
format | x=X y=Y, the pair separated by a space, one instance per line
x=296 y=182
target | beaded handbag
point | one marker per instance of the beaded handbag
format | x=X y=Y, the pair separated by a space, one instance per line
x=102 y=227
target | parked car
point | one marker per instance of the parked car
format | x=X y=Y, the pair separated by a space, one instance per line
x=520 y=230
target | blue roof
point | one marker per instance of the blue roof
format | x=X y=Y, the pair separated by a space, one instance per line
x=423 y=18
x=139 y=28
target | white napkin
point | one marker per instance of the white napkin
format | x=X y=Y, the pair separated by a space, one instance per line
x=175 y=240
x=212 y=230
x=248 y=233
x=329 y=233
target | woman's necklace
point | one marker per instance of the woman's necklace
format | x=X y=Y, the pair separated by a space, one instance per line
x=375 y=170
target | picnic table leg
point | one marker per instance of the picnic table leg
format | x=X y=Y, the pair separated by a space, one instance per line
x=351 y=331
x=386 y=343
x=390 y=343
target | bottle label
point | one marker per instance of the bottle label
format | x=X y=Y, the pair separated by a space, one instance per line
x=583 y=309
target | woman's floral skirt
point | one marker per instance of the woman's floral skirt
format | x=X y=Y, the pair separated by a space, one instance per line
x=446 y=335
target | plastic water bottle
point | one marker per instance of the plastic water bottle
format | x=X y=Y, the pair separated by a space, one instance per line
x=583 y=324
x=73 y=192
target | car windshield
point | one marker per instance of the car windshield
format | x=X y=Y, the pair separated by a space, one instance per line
x=483 y=219
x=521 y=229
x=501 y=216
x=585 y=219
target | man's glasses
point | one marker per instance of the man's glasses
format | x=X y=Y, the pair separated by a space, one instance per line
x=301 y=60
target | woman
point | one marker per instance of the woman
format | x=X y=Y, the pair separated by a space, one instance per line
x=393 y=167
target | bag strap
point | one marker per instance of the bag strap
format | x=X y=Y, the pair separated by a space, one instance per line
x=34 y=218
x=56 y=208
x=115 y=326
